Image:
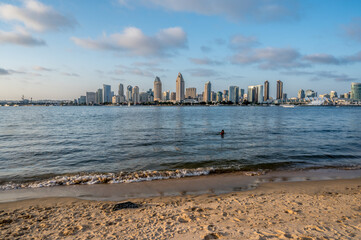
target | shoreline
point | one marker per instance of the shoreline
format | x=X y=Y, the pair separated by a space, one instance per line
x=279 y=210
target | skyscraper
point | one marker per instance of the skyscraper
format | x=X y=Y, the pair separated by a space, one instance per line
x=90 y=98
x=121 y=90
x=191 y=93
x=333 y=94
x=207 y=97
x=233 y=94
x=301 y=94
x=259 y=93
x=129 y=93
x=241 y=93
x=266 y=91
x=166 y=96
x=279 y=89
x=99 y=96
x=135 y=95
x=180 y=88
x=356 y=91
x=251 y=94
x=157 y=89
x=107 y=98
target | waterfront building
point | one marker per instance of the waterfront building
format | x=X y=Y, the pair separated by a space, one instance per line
x=301 y=94
x=347 y=95
x=129 y=93
x=279 y=94
x=207 y=96
x=356 y=91
x=157 y=89
x=325 y=95
x=173 y=96
x=219 y=97
x=121 y=90
x=233 y=94
x=251 y=94
x=241 y=93
x=333 y=94
x=82 y=100
x=180 y=87
x=259 y=93
x=225 y=95
x=266 y=91
x=191 y=93
x=99 y=96
x=284 y=96
x=310 y=93
x=135 y=95
x=213 y=96
x=166 y=96
x=90 y=98
x=107 y=94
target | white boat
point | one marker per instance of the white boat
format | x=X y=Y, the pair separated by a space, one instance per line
x=287 y=106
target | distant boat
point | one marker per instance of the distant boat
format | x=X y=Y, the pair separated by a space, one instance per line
x=287 y=106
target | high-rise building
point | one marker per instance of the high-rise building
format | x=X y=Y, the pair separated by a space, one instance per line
x=310 y=93
x=173 y=96
x=166 y=96
x=180 y=86
x=82 y=100
x=207 y=96
x=129 y=93
x=191 y=93
x=251 y=94
x=241 y=93
x=259 y=94
x=266 y=91
x=107 y=98
x=135 y=95
x=121 y=90
x=279 y=89
x=90 y=98
x=157 y=89
x=219 y=97
x=284 y=96
x=233 y=94
x=225 y=95
x=301 y=94
x=99 y=96
x=356 y=91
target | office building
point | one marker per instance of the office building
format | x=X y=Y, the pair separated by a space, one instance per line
x=173 y=96
x=121 y=90
x=191 y=93
x=259 y=94
x=241 y=93
x=233 y=94
x=356 y=91
x=284 y=96
x=207 y=96
x=301 y=94
x=219 y=97
x=82 y=100
x=107 y=98
x=266 y=91
x=180 y=87
x=90 y=98
x=251 y=94
x=310 y=93
x=279 y=94
x=129 y=93
x=166 y=96
x=157 y=89
x=99 y=96
x=135 y=95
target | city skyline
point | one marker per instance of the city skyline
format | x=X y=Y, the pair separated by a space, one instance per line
x=56 y=50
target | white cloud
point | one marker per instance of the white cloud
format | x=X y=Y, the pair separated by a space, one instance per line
x=258 y=10
x=270 y=58
x=121 y=69
x=4 y=72
x=205 y=61
x=133 y=41
x=20 y=37
x=36 y=16
x=319 y=75
x=42 y=69
x=202 y=72
x=242 y=42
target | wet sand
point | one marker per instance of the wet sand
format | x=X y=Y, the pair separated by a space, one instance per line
x=329 y=209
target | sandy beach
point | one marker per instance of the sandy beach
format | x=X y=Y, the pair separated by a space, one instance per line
x=289 y=210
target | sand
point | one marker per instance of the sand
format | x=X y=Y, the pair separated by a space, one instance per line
x=290 y=210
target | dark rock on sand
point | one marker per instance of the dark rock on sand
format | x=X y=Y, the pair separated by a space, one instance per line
x=124 y=205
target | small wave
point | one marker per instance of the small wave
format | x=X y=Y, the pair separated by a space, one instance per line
x=122 y=177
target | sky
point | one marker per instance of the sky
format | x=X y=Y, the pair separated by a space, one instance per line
x=61 y=49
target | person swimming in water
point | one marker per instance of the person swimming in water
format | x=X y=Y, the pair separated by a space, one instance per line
x=222 y=133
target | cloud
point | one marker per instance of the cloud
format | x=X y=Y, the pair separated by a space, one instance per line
x=319 y=75
x=121 y=70
x=353 y=29
x=70 y=74
x=20 y=37
x=36 y=16
x=4 y=72
x=270 y=58
x=205 y=61
x=202 y=72
x=39 y=68
x=243 y=42
x=237 y=10
x=133 y=41
x=323 y=58
x=206 y=49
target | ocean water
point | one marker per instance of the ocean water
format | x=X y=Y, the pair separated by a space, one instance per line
x=48 y=146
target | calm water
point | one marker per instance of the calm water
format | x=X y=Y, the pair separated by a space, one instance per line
x=45 y=146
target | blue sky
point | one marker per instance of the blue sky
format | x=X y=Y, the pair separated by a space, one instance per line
x=60 y=49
